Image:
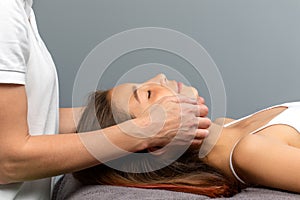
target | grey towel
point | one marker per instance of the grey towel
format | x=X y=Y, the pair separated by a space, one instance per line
x=69 y=188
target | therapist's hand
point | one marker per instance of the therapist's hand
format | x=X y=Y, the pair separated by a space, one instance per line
x=176 y=119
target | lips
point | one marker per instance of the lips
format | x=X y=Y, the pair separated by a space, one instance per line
x=179 y=87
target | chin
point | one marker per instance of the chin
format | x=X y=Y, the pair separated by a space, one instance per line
x=195 y=92
x=189 y=91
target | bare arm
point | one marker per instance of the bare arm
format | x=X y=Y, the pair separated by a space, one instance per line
x=269 y=162
x=26 y=157
x=68 y=119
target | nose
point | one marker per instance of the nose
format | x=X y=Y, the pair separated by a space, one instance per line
x=160 y=78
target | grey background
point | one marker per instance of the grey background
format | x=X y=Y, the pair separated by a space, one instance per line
x=255 y=43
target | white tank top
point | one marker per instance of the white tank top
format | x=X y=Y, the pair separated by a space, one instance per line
x=290 y=117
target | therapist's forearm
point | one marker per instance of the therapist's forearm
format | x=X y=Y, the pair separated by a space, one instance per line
x=50 y=155
x=68 y=118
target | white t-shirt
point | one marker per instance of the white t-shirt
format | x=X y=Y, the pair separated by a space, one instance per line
x=24 y=59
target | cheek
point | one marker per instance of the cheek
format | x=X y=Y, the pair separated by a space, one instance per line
x=155 y=97
x=159 y=94
x=135 y=109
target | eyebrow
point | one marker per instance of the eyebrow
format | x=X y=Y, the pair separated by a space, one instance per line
x=134 y=88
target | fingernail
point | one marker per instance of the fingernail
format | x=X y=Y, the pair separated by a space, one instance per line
x=206 y=132
x=200 y=100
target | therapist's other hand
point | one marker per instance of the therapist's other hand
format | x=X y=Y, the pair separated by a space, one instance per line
x=176 y=119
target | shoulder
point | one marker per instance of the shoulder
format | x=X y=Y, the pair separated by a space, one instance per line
x=13 y=17
x=251 y=156
x=247 y=147
x=262 y=160
x=254 y=145
x=14 y=39
x=9 y=5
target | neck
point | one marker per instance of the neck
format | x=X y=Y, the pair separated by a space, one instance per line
x=215 y=131
x=220 y=143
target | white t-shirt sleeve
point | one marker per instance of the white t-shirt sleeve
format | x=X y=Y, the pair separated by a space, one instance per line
x=14 y=45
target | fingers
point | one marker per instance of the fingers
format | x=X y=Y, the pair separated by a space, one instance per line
x=202 y=110
x=181 y=99
x=203 y=122
x=200 y=100
x=184 y=99
x=201 y=134
x=196 y=110
x=197 y=143
x=184 y=120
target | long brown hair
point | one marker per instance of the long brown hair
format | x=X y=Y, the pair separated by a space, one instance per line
x=186 y=174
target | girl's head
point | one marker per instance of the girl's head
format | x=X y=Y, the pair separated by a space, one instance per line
x=129 y=100
x=133 y=98
x=187 y=174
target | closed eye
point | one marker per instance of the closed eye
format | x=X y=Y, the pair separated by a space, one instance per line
x=149 y=94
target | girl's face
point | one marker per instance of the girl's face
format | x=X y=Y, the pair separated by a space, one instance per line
x=135 y=98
